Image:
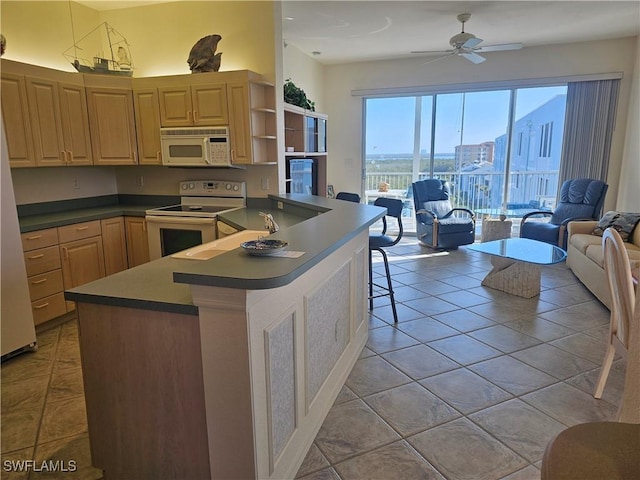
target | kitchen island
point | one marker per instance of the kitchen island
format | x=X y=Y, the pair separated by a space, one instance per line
x=226 y=368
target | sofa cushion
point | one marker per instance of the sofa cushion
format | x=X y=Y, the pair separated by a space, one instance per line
x=591 y=246
x=582 y=241
x=595 y=253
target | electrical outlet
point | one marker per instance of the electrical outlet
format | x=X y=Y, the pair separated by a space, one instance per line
x=140 y=181
x=76 y=183
x=280 y=205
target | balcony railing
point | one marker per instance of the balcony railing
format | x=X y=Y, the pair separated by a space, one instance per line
x=481 y=192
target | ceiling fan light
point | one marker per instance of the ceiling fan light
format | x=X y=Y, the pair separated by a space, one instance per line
x=460 y=39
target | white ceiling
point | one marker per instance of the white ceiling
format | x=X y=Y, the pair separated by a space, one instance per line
x=351 y=31
x=369 y=30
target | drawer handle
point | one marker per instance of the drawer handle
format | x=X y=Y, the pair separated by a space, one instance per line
x=34 y=237
x=38 y=282
x=35 y=257
x=79 y=229
x=44 y=305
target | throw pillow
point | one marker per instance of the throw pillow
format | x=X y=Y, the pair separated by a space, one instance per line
x=622 y=222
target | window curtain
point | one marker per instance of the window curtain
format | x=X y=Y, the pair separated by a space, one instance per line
x=589 y=123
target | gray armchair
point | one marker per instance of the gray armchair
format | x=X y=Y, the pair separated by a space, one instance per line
x=438 y=224
x=580 y=199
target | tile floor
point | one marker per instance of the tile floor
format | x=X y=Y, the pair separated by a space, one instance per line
x=471 y=384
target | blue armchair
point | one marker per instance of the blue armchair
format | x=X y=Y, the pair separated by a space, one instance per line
x=580 y=199
x=438 y=224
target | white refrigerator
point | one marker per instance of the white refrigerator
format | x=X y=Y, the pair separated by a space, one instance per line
x=17 y=327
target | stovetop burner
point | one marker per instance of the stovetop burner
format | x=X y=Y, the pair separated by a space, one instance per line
x=192 y=208
x=209 y=197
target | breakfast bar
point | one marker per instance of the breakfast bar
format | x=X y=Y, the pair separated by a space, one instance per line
x=226 y=367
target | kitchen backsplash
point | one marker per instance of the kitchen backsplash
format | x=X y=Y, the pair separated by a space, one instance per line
x=36 y=185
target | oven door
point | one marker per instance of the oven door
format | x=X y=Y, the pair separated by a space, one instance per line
x=169 y=235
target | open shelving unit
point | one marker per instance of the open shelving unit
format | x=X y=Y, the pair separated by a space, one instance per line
x=305 y=135
x=263 y=121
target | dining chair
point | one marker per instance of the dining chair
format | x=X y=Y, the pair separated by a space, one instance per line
x=618 y=273
x=348 y=196
x=598 y=450
x=380 y=241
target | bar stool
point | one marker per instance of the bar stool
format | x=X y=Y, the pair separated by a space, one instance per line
x=378 y=242
x=348 y=196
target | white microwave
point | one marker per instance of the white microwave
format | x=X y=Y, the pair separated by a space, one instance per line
x=195 y=147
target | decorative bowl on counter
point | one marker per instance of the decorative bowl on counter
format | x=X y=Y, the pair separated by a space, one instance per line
x=263 y=246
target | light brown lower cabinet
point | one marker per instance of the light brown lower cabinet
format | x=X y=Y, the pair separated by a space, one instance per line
x=137 y=241
x=82 y=262
x=115 y=245
x=61 y=258
x=44 y=275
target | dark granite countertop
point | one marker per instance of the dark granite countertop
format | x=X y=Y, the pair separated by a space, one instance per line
x=316 y=225
x=66 y=212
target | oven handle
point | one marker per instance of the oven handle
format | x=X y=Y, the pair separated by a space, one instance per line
x=180 y=220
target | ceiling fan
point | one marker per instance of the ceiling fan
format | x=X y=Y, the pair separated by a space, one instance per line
x=466 y=45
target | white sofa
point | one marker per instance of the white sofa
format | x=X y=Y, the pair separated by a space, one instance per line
x=585 y=257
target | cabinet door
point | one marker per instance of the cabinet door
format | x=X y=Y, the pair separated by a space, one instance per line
x=210 y=104
x=239 y=123
x=147 y=109
x=114 y=244
x=112 y=124
x=15 y=115
x=176 y=108
x=82 y=261
x=46 y=122
x=137 y=241
x=75 y=124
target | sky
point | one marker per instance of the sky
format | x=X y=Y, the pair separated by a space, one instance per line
x=390 y=121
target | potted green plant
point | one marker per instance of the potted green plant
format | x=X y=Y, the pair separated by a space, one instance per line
x=294 y=95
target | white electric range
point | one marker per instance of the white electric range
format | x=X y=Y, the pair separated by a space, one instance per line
x=193 y=222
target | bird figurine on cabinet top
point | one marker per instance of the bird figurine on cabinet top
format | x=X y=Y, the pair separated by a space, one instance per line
x=203 y=56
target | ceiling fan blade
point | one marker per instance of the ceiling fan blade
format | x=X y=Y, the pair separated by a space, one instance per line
x=440 y=58
x=473 y=57
x=432 y=52
x=499 y=48
x=472 y=42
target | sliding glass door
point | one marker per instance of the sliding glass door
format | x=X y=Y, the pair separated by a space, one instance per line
x=499 y=149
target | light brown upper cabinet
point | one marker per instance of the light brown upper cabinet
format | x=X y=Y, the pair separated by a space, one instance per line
x=59 y=121
x=45 y=113
x=147 y=111
x=75 y=124
x=112 y=122
x=189 y=105
x=15 y=115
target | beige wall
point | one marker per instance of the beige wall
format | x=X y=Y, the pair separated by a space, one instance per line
x=629 y=191
x=307 y=74
x=38 y=32
x=345 y=110
x=160 y=36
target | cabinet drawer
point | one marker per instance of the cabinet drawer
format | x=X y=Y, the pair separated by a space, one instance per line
x=79 y=231
x=46 y=284
x=49 y=307
x=39 y=239
x=42 y=260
